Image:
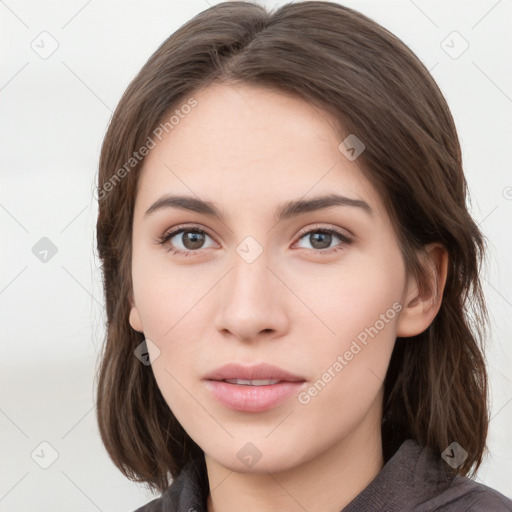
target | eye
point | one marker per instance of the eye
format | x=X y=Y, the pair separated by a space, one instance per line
x=190 y=240
x=321 y=239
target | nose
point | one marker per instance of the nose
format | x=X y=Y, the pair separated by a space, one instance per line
x=252 y=301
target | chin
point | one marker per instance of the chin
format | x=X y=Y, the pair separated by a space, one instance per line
x=260 y=456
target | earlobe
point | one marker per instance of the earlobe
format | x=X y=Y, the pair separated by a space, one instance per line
x=135 y=320
x=134 y=317
x=420 y=308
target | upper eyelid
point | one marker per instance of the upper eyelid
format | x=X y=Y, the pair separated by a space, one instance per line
x=320 y=227
x=170 y=233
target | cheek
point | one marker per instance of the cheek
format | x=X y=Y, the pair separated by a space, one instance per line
x=168 y=297
x=351 y=296
x=349 y=364
x=354 y=329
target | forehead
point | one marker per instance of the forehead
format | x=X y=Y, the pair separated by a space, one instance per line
x=254 y=144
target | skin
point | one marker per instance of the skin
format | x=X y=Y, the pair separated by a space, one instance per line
x=297 y=306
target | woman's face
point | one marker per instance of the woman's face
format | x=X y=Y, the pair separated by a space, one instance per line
x=315 y=293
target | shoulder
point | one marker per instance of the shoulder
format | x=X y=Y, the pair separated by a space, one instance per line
x=187 y=492
x=470 y=496
x=165 y=503
x=152 y=506
x=450 y=492
x=417 y=479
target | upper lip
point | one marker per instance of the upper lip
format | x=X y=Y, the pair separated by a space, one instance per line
x=260 y=371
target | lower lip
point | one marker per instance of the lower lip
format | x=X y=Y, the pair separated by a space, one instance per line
x=252 y=398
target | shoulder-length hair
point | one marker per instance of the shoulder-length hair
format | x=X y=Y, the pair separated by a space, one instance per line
x=435 y=389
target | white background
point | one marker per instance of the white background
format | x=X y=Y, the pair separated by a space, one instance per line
x=54 y=113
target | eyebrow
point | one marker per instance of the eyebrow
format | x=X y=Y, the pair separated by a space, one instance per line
x=284 y=211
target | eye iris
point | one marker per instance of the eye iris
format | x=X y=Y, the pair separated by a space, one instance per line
x=320 y=240
x=192 y=240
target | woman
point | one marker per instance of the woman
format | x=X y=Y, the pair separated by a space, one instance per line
x=291 y=273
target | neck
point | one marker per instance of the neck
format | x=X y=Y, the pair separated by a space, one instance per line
x=326 y=483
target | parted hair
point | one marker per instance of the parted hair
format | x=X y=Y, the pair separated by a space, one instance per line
x=435 y=390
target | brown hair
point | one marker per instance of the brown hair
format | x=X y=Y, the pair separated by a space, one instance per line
x=435 y=390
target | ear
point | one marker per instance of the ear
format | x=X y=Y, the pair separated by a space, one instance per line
x=135 y=320
x=420 y=308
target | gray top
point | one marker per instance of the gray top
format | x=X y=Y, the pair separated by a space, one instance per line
x=414 y=479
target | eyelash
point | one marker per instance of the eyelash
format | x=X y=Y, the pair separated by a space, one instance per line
x=163 y=240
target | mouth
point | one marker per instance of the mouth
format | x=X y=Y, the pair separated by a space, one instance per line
x=254 y=375
x=255 y=388
x=246 y=382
